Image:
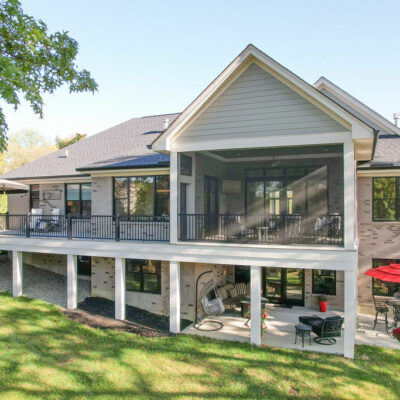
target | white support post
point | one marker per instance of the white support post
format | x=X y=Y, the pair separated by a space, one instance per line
x=120 y=288
x=255 y=304
x=17 y=270
x=174 y=297
x=349 y=178
x=72 y=281
x=350 y=311
x=174 y=184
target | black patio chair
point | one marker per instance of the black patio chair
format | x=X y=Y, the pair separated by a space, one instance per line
x=326 y=329
x=380 y=308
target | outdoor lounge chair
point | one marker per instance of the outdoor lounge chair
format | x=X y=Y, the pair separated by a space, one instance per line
x=326 y=329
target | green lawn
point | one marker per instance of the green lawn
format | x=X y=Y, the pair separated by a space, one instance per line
x=44 y=355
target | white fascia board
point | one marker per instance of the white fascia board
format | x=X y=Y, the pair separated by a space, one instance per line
x=323 y=83
x=72 y=179
x=163 y=142
x=130 y=172
x=267 y=141
x=272 y=256
x=378 y=172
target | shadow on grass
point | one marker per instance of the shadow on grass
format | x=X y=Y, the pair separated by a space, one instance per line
x=44 y=355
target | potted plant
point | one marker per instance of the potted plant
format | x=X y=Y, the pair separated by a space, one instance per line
x=396 y=334
x=323 y=303
x=264 y=315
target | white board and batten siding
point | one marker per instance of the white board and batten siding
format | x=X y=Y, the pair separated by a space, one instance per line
x=257 y=105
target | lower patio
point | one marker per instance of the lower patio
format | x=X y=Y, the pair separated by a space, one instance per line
x=280 y=330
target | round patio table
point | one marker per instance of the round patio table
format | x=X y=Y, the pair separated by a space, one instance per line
x=303 y=330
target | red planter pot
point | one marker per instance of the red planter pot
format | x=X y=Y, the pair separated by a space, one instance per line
x=323 y=306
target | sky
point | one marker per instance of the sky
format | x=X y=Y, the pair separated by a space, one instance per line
x=154 y=57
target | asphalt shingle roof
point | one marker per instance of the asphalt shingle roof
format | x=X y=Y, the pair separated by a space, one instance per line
x=122 y=146
x=387 y=153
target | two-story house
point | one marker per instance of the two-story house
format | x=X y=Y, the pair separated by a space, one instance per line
x=256 y=181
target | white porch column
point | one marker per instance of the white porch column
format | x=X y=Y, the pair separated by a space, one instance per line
x=255 y=304
x=120 y=288
x=350 y=311
x=72 y=281
x=349 y=171
x=174 y=297
x=173 y=183
x=17 y=269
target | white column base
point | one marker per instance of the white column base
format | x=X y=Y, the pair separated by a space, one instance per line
x=174 y=297
x=255 y=304
x=17 y=273
x=120 y=288
x=72 y=281
x=350 y=312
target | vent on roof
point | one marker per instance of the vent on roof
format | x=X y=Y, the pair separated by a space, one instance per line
x=396 y=117
x=165 y=124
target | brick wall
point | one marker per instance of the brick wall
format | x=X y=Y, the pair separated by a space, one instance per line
x=377 y=240
x=102 y=202
x=335 y=303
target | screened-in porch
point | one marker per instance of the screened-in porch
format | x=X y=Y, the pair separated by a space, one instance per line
x=291 y=195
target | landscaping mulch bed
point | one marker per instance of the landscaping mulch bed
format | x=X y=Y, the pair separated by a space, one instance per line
x=99 y=313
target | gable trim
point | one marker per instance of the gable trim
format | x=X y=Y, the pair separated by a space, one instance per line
x=249 y=55
x=323 y=83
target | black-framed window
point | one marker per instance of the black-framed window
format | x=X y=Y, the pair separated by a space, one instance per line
x=78 y=199
x=324 y=281
x=380 y=288
x=287 y=190
x=186 y=165
x=385 y=193
x=34 y=196
x=143 y=276
x=142 y=195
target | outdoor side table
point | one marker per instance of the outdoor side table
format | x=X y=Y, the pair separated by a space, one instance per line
x=302 y=331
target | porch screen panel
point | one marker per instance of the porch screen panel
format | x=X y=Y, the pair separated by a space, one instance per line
x=141 y=195
x=121 y=196
x=86 y=202
x=162 y=196
x=73 y=199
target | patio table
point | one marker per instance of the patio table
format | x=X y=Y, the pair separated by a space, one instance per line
x=396 y=313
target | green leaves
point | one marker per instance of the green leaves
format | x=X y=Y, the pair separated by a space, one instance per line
x=34 y=62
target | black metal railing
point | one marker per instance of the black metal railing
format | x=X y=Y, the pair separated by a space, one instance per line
x=104 y=227
x=274 y=229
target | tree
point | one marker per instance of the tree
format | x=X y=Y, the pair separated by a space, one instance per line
x=23 y=147
x=34 y=62
x=60 y=143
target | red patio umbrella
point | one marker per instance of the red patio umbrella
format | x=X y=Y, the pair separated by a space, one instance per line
x=386 y=273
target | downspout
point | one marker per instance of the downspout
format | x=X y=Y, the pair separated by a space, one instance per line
x=376 y=137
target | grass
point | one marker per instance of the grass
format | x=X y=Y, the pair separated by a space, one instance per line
x=44 y=355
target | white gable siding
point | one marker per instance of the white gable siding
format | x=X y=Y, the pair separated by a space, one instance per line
x=257 y=104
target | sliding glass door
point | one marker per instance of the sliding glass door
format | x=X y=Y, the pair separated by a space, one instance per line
x=283 y=285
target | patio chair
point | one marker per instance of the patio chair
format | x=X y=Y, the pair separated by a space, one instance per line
x=36 y=216
x=55 y=219
x=380 y=308
x=326 y=329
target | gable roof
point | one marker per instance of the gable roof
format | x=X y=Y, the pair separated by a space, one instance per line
x=359 y=128
x=356 y=107
x=122 y=146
